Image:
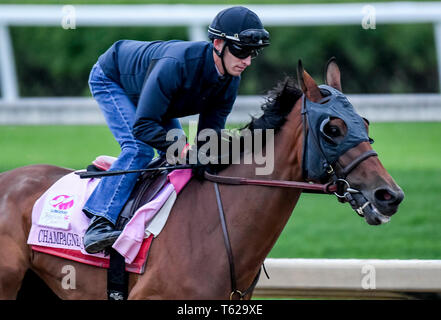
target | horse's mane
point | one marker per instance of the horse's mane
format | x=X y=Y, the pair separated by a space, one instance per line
x=279 y=103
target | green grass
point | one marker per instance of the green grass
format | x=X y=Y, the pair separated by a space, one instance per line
x=320 y=227
x=66 y=146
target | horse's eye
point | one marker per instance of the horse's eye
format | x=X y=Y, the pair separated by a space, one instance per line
x=332 y=131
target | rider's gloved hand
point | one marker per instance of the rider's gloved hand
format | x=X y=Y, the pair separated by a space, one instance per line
x=199 y=170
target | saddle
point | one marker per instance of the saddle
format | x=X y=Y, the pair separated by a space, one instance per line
x=146 y=187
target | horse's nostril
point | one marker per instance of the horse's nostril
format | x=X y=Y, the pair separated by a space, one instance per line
x=383 y=195
x=388 y=196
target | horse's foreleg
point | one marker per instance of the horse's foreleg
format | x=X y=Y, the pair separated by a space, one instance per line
x=14 y=263
x=70 y=280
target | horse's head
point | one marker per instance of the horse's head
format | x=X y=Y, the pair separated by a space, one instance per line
x=337 y=148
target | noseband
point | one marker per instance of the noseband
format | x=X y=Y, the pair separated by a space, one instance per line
x=344 y=191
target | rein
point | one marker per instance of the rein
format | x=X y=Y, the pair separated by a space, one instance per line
x=327 y=188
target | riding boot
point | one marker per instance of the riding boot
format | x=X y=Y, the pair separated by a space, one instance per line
x=100 y=235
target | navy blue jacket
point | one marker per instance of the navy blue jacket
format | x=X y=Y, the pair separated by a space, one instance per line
x=181 y=80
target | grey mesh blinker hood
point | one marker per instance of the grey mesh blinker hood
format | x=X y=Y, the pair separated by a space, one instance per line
x=320 y=151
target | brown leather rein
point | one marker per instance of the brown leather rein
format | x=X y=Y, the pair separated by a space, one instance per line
x=314 y=187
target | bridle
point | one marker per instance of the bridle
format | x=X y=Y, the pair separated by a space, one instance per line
x=344 y=190
x=338 y=185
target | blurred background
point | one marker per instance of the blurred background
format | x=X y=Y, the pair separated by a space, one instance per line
x=390 y=71
x=392 y=58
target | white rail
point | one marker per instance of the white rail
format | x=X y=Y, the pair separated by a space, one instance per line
x=351 y=278
x=197 y=17
x=74 y=111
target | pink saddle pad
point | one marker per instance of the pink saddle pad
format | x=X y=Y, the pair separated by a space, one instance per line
x=58 y=223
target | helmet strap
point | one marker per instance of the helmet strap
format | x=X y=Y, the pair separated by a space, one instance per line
x=221 y=54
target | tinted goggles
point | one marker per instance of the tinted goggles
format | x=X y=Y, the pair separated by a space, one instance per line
x=254 y=37
x=242 y=52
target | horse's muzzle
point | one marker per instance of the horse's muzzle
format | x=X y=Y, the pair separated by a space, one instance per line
x=379 y=205
x=387 y=200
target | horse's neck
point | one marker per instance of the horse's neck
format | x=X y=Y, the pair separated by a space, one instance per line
x=258 y=213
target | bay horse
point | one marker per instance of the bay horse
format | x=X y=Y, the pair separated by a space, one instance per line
x=188 y=260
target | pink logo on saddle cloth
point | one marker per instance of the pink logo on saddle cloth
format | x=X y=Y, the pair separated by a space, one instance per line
x=62 y=202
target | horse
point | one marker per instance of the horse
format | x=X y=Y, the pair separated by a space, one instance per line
x=188 y=260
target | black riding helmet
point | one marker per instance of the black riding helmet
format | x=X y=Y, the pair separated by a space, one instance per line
x=242 y=31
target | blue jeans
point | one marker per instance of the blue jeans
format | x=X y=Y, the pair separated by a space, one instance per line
x=112 y=192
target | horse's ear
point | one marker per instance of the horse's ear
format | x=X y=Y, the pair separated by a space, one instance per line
x=332 y=74
x=308 y=85
x=300 y=75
